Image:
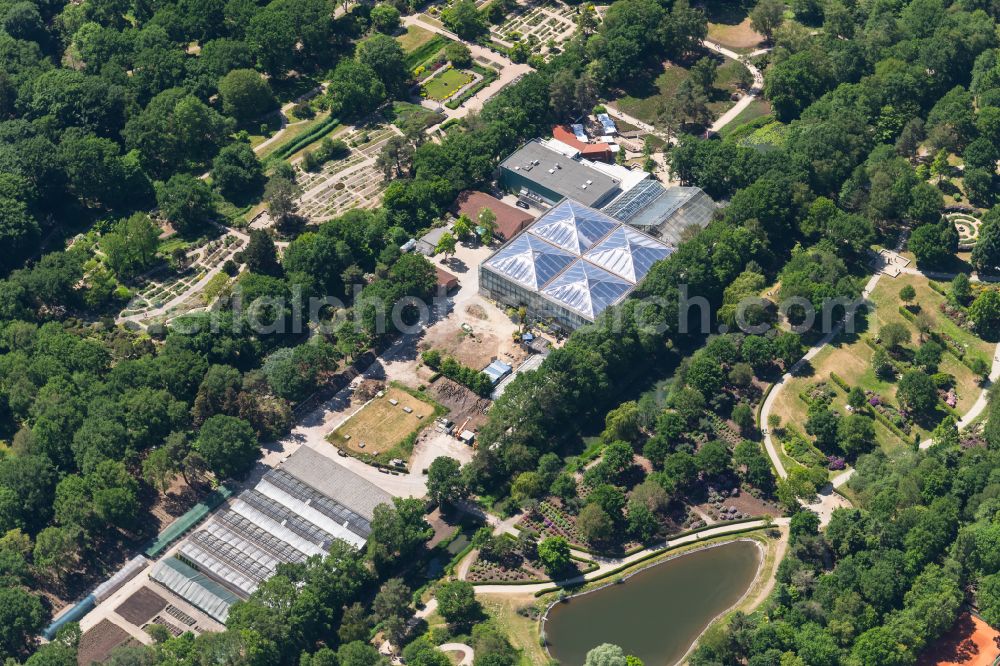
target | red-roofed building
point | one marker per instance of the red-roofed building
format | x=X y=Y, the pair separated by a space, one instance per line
x=445 y=279
x=592 y=151
x=510 y=220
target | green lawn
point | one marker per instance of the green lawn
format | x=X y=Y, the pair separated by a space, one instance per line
x=757 y=109
x=403 y=113
x=729 y=25
x=421 y=45
x=445 y=84
x=292 y=132
x=645 y=101
x=645 y=104
x=850 y=359
x=414 y=38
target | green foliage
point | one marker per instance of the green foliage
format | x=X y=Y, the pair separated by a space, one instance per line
x=606 y=654
x=237 y=172
x=934 y=244
x=457 y=603
x=131 y=246
x=554 y=555
x=398 y=533
x=187 y=203
x=444 y=483
x=985 y=313
x=245 y=94
x=917 y=392
x=228 y=445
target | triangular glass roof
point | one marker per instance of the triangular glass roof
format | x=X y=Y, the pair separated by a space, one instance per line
x=530 y=261
x=628 y=253
x=587 y=289
x=573 y=226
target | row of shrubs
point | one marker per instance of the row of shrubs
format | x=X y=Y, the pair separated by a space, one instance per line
x=475 y=380
x=329 y=149
x=315 y=134
x=489 y=76
x=976 y=364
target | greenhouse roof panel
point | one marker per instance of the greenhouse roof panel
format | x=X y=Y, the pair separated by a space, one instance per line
x=628 y=253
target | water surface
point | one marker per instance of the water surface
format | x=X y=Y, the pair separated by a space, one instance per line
x=658 y=613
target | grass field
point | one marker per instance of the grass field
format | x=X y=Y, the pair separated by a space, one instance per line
x=645 y=102
x=850 y=358
x=756 y=109
x=380 y=426
x=729 y=25
x=446 y=84
x=739 y=37
x=292 y=132
x=421 y=45
x=414 y=38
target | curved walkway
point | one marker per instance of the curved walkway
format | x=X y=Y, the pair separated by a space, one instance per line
x=725 y=118
x=467 y=653
x=608 y=565
x=765 y=410
x=772 y=448
x=752 y=94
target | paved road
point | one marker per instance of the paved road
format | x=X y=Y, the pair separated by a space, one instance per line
x=467 y=654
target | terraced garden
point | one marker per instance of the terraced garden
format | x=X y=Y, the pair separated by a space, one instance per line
x=542 y=26
x=167 y=284
x=352 y=182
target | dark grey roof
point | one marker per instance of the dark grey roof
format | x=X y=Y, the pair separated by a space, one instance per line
x=560 y=174
x=336 y=482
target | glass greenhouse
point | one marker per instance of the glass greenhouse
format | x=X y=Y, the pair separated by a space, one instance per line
x=283 y=519
x=570 y=265
x=663 y=212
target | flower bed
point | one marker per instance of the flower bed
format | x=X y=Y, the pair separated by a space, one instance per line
x=552 y=520
x=723 y=430
x=485 y=571
x=446 y=83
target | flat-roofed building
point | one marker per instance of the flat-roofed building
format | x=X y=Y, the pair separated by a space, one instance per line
x=546 y=176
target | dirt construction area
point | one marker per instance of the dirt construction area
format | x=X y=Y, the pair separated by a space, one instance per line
x=466 y=409
x=384 y=422
x=488 y=331
x=476 y=348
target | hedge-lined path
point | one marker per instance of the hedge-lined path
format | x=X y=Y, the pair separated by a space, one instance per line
x=608 y=565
